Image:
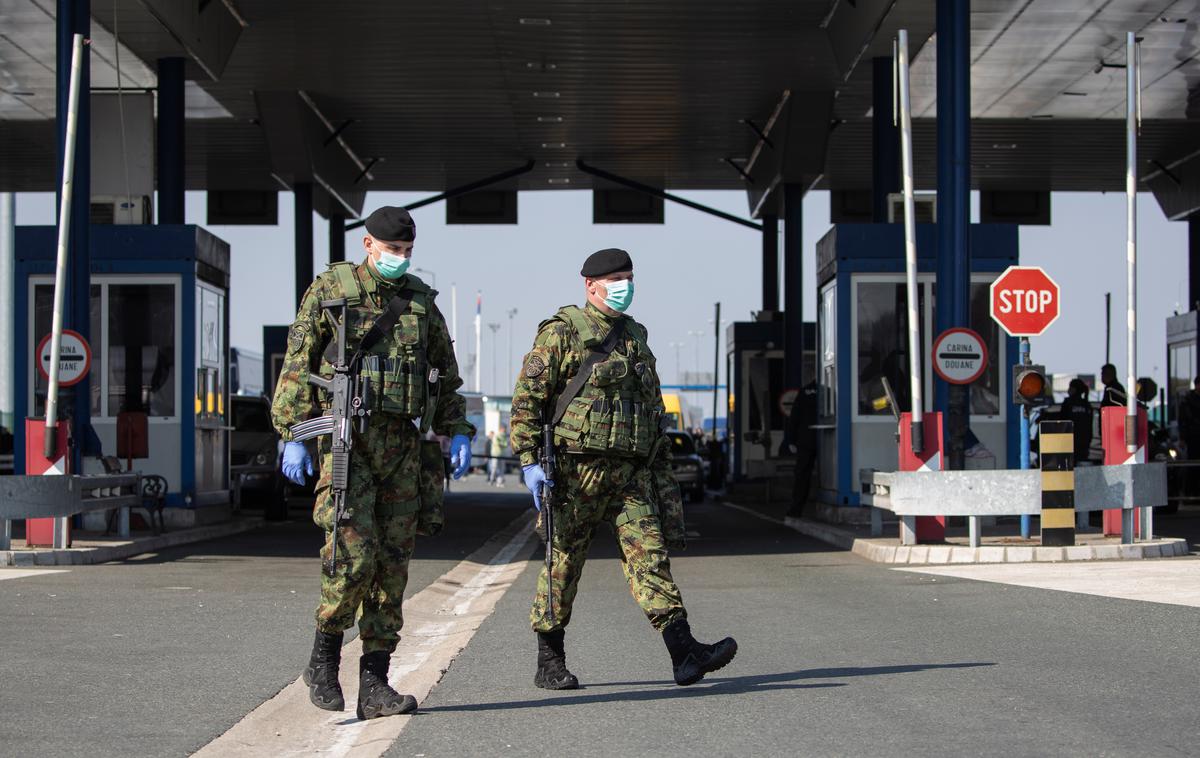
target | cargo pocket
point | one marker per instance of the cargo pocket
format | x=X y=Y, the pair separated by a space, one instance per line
x=431 y=489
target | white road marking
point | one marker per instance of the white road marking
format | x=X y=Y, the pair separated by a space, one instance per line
x=7 y=573
x=1173 y=581
x=439 y=621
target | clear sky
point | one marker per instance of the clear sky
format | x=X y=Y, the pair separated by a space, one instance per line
x=689 y=263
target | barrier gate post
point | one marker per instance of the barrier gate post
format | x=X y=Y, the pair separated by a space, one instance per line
x=1116 y=453
x=928 y=528
x=47 y=532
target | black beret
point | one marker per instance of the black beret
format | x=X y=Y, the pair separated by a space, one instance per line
x=604 y=262
x=392 y=224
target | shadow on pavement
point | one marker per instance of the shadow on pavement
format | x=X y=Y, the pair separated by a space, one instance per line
x=714 y=686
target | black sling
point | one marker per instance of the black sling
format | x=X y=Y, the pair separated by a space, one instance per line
x=598 y=353
x=391 y=314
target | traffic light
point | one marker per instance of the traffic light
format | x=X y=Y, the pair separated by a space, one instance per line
x=1029 y=384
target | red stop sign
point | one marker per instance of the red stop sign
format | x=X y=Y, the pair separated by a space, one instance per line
x=1025 y=301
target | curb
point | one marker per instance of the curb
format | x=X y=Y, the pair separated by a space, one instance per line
x=1165 y=547
x=103 y=554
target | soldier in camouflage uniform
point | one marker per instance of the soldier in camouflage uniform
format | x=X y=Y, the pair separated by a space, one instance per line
x=395 y=478
x=614 y=467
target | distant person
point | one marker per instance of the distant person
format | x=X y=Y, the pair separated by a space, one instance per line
x=1114 y=392
x=498 y=447
x=1078 y=410
x=802 y=438
x=491 y=470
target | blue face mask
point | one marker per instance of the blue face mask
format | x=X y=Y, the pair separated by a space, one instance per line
x=620 y=294
x=390 y=265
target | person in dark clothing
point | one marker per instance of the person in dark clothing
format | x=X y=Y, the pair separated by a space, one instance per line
x=803 y=438
x=1114 y=391
x=1078 y=410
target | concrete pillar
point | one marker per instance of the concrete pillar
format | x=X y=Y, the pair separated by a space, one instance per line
x=953 y=203
x=337 y=237
x=8 y=258
x=303 y=195
x=885 y=140
x=171 y=164
x=793 y=285
x=770 y=263
x=74 y=17
x=1193 y=263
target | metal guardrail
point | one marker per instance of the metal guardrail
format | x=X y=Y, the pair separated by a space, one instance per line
x=60 y=497
x=976 y=494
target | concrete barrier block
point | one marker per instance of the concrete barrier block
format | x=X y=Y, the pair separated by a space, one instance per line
x=991 y=554
x=1047 y=554
x=1019 y=554
x=918 y=554
x=962 y=555
x=1080 y=553
x=902 y=554
x=1181 y=547
x=45 y=558
x=887 y=555
x=1132 y=552
x=22 y=558
x=1107 y=552
x=939 y=554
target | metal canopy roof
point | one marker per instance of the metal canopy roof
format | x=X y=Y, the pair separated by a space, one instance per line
x=432 y=95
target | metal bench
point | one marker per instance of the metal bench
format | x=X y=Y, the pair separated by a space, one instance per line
x=976 y=494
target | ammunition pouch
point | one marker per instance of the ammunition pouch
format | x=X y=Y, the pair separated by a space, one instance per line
x=431 y=488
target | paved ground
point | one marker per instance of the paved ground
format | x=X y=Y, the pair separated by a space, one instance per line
x=161 y=656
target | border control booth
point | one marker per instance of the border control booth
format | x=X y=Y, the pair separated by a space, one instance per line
x=159 y=340
x=862 y=341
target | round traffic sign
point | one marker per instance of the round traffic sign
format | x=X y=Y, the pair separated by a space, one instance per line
x=74 y=359
x=959 y=356
x=1025 y=301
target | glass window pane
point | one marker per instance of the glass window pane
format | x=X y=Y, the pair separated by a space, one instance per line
x=43 y=314
x=827 y=398
x=883 y=346
x=141 y=349
x=985 y=391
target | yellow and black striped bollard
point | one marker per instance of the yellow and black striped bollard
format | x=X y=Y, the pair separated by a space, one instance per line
x=1056 y=453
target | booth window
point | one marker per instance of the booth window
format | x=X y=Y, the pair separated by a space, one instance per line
x=828 y=364
x=1179 y=377
x=141 y=349
x=43 y=313
x=883 y=345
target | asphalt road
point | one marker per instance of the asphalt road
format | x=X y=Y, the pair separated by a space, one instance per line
x=838 y=656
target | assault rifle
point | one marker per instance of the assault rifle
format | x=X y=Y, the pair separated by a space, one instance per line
x=547 y=463
x=350 y=405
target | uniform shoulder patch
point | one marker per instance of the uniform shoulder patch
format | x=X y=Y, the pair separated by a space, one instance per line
x=534 y=366
x=297 y=334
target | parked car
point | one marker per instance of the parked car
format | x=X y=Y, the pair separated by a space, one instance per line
x=687 y=465
x=254 y=454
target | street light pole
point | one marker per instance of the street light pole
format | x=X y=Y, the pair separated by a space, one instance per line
x=432 y=276
x=495 y=327
x=511 y=312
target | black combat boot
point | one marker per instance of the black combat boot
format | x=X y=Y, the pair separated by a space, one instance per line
x=321 y=676
x=692 y=659
x=375 y=696
x=552 y=671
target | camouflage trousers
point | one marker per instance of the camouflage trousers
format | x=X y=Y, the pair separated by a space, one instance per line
x=376 y=540
x=590 y=490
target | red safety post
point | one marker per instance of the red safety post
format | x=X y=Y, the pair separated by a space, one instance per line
x=1116 y=453
x=929 y=528
x=39 y=532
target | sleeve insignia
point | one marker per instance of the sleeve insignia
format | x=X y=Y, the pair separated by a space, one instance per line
x=534 y=366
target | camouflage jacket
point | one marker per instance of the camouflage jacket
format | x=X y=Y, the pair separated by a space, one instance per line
x=296 y=400
x=554 y=360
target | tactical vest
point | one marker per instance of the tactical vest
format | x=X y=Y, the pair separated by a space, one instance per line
x=397 y=365
x=616 y=412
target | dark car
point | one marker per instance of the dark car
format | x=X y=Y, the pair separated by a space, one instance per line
x=254 y=454
x=687 y=465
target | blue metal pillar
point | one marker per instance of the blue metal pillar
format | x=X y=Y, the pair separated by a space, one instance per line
x=953 y=202
x=885 y=139
x=793 y=286
x=303 y=197
x=74 y=17
x=770 y=263
x=337 y=237
x=170 y=141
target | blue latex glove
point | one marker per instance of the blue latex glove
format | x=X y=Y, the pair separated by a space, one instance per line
x=296 y=461
x=460 y=455
x=534 y=479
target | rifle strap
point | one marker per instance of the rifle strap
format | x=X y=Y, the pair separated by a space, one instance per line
x=383 y=324
x=597 y=354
